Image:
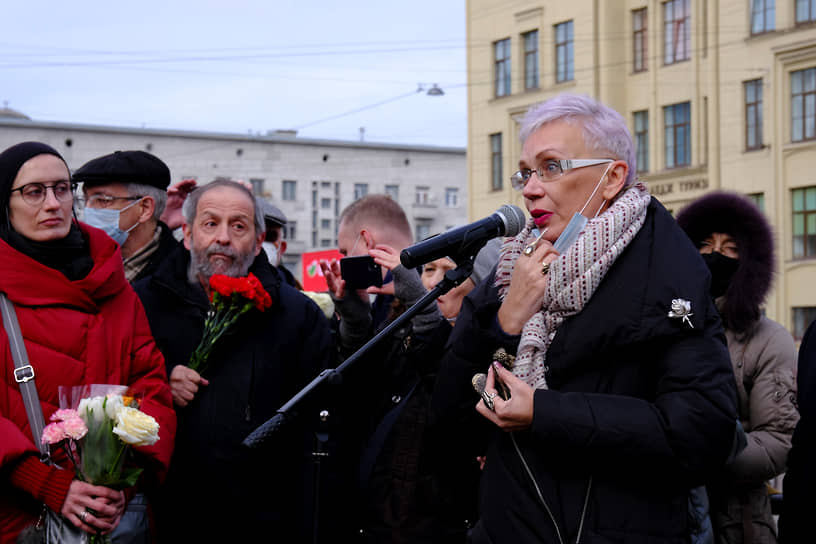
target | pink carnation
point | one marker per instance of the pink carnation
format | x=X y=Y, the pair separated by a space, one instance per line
x=64 y=414
x=74 y=427
x=53 y=433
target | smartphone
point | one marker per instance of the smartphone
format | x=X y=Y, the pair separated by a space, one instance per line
x=360 y=272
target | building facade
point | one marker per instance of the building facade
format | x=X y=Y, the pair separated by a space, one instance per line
x=717 y=94
x=311 y=180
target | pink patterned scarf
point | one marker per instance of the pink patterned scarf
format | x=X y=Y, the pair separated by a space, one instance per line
x=573 y=276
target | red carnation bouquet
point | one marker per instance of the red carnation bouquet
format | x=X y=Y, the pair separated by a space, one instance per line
x=230 y=298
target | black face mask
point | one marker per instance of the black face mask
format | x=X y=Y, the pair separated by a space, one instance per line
x=722 y=270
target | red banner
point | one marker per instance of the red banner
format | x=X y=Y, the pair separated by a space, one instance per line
x=313 y=279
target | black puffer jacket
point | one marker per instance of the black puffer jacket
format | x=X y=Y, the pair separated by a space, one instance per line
x=641 y=407
x=217 y=489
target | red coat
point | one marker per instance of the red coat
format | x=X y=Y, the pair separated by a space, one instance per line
x=93 y=330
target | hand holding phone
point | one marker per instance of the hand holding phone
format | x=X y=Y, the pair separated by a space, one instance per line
x=360 y=272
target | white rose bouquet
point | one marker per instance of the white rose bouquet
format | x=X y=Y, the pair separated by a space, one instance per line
x=112 y=424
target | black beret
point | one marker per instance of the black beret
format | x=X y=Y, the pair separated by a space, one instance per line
x=125 y=167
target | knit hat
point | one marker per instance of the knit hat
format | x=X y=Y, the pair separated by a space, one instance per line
x=11 y=160
x=125 y=167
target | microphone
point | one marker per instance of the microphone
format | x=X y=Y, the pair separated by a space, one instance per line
x=465 y=241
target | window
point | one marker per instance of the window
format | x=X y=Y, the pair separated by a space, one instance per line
x=289 y=189
x=640 y=40
x=290 y=230
x=802 y=318
x=393 y=192
x=763 y=16
x=803 y=105
x=501 y=67
x=314 y=198
x=423 y=196
x=325 y=184
x=451 y=197
x=805 y=11
x=496 y=161
x=314 y=219
x=530 y=59
x=325 y=203
x=642 y=140
x=678 y=134
x=563 y=52
x=360 y=190
x=325 y=224
x=758 y=199
x=676 y=30
x=314 y=238
x=423 y=230
x=753 y=114
x=804 y=222
x=257 y=186
x=325 y=242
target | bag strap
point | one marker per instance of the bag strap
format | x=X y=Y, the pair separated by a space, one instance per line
x=24 y=374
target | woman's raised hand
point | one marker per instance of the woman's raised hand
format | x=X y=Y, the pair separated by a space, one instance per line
x=527 y=287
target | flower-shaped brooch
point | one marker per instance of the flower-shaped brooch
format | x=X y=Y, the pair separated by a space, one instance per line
x=681 y=309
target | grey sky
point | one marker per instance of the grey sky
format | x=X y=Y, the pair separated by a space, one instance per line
x=242 y=65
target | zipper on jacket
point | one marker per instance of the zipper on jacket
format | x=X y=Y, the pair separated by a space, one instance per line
x=544 y=503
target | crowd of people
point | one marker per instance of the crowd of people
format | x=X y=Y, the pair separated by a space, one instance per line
x=607 y=374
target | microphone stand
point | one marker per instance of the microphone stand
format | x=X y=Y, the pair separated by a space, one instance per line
x=286 y=413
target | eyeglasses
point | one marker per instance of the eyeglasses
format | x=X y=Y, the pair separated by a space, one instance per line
x=34 y=193
x=104 y=201
x=551 y=170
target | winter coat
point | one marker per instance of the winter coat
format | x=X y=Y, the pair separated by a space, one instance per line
x=764 y=375
x=763 y=357
x=89 y=331
x=795 y=521
x=217 y=489
x=167 y=245
x=640 y=406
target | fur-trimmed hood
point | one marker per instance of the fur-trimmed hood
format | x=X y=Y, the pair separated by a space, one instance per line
x=736 y=215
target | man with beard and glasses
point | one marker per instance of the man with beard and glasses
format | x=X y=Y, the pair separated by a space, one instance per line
x=217 y=490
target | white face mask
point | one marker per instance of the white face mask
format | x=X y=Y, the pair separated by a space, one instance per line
x=108 y=220
x=272 y=253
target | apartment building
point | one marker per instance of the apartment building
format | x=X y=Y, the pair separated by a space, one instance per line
x=718 y=95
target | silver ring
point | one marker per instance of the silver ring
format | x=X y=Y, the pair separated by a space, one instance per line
x=83 y=515
x=487 y=398
x=545 y=268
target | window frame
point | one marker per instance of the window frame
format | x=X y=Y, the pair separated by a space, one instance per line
x=767 y=13
x=454 y=193
x=810 y=12
x=502 y=85
x=753 y=114
x=640 y=36
x=673 y=25
x=496 y=159
x=676 y=127
x=422 y=195
x=360 y=190
x=808 y=216
x=641 y=137
x=808 y=77
x=564 y=48
x=530 y=60
x=289 y=186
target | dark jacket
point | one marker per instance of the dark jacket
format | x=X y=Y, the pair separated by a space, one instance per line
x=167 y=245
x=216 y=488
x=641 y=406
x=795 y=521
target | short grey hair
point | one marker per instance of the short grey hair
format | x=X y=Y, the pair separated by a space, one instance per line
x=159 y=196
x=188 y=209
x=603 y=128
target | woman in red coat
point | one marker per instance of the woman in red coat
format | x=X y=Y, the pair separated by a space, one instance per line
x=82 y=324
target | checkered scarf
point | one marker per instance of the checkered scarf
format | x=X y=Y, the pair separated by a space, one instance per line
x=573 y=276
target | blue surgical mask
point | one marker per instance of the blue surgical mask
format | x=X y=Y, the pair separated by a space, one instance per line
x=108 y=220
x=576 y=225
